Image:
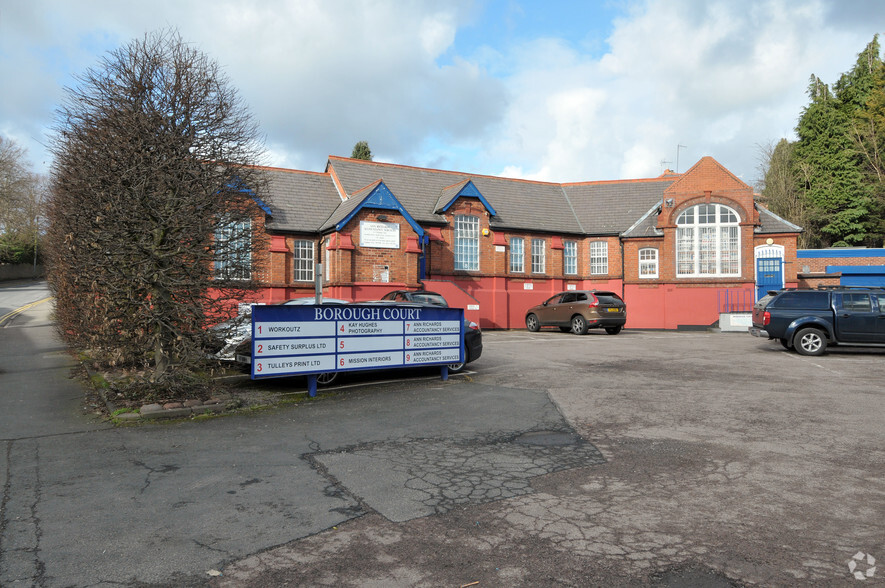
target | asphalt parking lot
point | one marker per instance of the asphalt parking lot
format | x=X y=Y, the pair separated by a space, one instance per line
x=682 y=459
x=642 y=459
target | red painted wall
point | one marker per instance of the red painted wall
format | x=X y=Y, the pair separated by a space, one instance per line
x=669 y=306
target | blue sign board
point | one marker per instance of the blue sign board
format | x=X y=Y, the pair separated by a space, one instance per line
x=290 y=340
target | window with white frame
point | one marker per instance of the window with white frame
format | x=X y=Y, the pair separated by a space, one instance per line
x=599 y=257
x=570 y=257
x=466 y=242
x=517 y=255
x=302 y=254
x=539 y=250
x=708 y=241
x=648 y=263
x=233 y=249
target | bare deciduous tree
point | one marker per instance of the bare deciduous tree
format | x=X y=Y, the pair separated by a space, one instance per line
x=779 y=186
x=155 y=196
x=21 y=193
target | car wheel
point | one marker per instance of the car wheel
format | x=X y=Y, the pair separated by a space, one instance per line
x=326 y=378
x=532 y=323
x=455 y=368
x=810 y=342
x=613 y=330
x=579 y=325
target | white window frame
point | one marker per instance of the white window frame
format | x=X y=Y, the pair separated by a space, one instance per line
x=517 y=255
x=708 y=242
x=598 y=258
x=466 y=243
x=648 y=263
x=570 y=257
x=233 y=249
x=539 y=256
x=302 y=260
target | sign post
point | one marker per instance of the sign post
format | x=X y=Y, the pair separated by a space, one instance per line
x=290 y=340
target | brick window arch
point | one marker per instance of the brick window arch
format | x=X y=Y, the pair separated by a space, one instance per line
x=708 y=241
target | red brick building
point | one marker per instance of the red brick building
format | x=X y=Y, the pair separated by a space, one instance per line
x=678 y=247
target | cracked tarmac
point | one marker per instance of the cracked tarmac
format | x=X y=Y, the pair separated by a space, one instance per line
x=705 y=476
x=646 y=459
x=422 y=477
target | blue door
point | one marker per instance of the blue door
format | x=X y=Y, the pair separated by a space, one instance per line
x=769 y=275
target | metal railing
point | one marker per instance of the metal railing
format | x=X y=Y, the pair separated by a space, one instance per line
x=735 y=300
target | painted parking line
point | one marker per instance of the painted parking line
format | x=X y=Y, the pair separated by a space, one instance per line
x=7 y=318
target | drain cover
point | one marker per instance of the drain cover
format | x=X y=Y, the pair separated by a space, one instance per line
x=547 y=438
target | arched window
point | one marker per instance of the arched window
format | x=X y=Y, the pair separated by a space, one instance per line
x=708 y=242
x=648 y=263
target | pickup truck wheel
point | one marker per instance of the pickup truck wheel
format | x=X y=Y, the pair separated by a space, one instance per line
x=810 y=342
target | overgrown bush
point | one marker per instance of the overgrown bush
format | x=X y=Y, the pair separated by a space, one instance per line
x=155 y=192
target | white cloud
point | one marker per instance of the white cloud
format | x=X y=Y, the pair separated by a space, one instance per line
x=318 y=75
x=715 y=75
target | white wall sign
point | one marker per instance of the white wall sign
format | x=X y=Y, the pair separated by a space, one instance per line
x=500 y=249
x=380 y=235
x=742 y=320
x=528 y=286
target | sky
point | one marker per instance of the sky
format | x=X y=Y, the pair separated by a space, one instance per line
x=551 y=90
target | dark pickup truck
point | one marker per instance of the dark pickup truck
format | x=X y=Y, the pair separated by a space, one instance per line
x=810 y=320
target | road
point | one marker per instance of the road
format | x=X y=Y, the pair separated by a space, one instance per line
x=647 y=458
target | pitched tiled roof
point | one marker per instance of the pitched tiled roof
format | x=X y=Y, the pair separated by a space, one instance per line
x=520 y=204
x=647 y=225
x=301 y=201
x=609 y=208
x=347 y=206
x=772 y=223
x=311 y=202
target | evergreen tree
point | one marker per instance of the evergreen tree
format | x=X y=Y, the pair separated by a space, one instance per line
x=866 y=93
x=830 y=178
x=838 y=163
x=361 y=151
